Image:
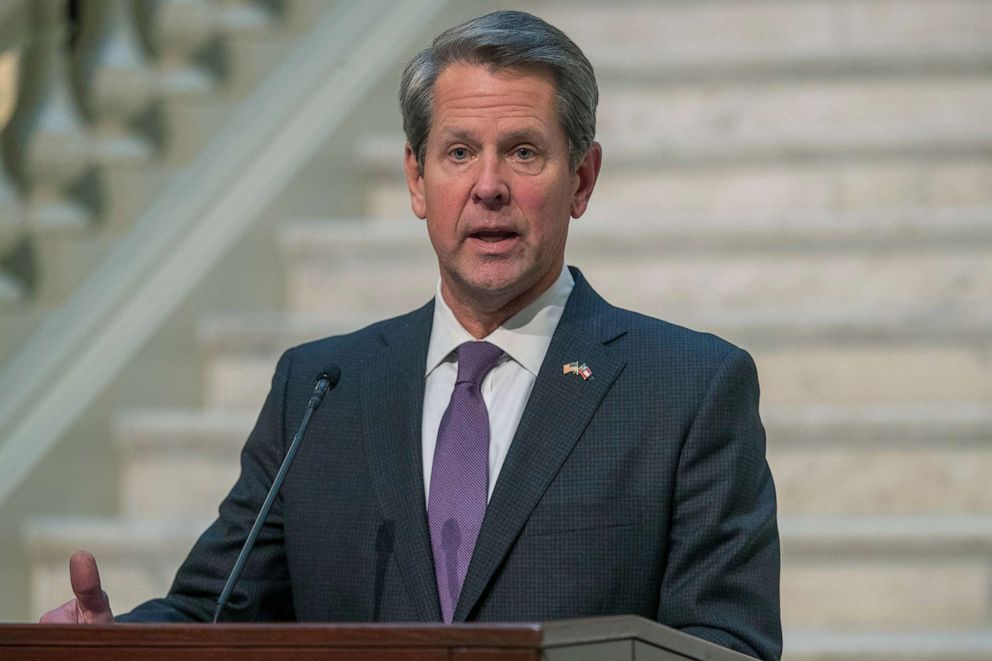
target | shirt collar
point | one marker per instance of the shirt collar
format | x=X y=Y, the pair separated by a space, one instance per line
x=524 y=337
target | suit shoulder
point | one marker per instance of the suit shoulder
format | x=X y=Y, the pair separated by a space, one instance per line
x=353 y=340
x=660 y=337
x=350 y=349
x=684 y=365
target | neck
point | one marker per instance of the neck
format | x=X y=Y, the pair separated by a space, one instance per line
x=482 y=321
x=481 y=317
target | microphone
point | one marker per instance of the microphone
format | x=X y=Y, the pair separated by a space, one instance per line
x=326 y=380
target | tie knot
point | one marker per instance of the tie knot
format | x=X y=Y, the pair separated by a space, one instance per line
x=475 y=360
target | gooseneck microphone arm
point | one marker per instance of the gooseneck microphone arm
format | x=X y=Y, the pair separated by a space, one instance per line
x=326 y=381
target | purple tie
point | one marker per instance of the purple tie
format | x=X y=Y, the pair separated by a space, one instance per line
x=460 y=473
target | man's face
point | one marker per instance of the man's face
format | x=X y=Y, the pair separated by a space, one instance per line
x=496 y=190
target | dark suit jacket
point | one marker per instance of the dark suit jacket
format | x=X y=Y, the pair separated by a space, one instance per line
x=642 y=490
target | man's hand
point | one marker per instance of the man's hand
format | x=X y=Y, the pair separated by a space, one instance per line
x=91 y=605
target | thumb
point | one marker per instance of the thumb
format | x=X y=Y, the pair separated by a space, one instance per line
x=85 y=579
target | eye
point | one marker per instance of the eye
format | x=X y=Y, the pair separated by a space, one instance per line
x=459 y=153
x=524 y=153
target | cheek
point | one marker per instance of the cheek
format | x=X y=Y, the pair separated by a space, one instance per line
x=443 y=214
x=445 y=199
x=548 y=210
x=538 y=202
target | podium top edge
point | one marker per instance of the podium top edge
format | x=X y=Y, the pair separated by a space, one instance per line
x=503 y=635
x=233 y=635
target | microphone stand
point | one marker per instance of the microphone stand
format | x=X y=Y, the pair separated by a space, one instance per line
x=326 y=381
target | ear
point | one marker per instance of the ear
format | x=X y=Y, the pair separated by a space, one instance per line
x=415 y=182
x=586 y=175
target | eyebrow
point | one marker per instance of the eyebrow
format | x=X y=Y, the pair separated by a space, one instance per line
x=522 y=135
x=455 y=134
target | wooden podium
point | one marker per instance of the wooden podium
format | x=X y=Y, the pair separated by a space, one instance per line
x=598 y=639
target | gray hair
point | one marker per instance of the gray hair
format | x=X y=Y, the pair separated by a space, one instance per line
x=501 y=40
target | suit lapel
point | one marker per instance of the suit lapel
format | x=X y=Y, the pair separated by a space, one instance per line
x=392 y=406
x=559 y=408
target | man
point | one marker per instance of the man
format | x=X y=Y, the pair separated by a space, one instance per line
x=516 y=449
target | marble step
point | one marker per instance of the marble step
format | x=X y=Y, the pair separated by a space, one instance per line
x=913 y=575
x=827 y=645
x=716 y=37
x=178 y=463
x=909 y=574
x=828 y=185
x=837 y=461
x=795 y=120
x=801 y=227
x=235 y=335
x=793 y=375
x=696 y=123
x=881 y=460
x=899 y=374
x=856 y=360
x=137 y=559
x=384 y=267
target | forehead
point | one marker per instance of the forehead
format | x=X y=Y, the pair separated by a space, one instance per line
x=466 y=93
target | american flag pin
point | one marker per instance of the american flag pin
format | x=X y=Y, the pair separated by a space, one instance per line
x=577 y=368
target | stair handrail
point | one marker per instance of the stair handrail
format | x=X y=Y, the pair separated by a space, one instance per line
x=81 y=347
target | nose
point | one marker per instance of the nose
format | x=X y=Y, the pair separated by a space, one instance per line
x=491 y=188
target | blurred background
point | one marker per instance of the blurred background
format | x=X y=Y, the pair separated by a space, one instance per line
x=188 y=187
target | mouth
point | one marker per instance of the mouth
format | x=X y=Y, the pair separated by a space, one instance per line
x=493 y=236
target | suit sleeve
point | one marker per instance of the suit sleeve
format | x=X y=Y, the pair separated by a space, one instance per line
x=721 y=581
x=263 y=591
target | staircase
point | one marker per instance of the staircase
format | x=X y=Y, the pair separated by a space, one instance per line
x=811 y=180
x=104 y=107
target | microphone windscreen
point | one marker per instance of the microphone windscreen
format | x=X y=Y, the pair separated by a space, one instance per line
x=332 y=373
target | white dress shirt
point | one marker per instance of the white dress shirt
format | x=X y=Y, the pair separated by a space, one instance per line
x=524 y=338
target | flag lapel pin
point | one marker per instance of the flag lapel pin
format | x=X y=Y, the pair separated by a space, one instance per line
x=576 y=367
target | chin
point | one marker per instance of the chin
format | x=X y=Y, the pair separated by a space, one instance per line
x=487 y=283
x=504 y=286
